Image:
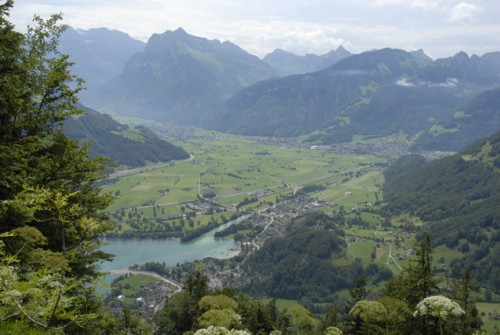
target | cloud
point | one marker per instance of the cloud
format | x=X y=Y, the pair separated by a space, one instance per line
x=464 y=12
x=419 y=4
x=449 y=83
x=262 y=37
x=404 y=82
x=385 y=2
x=298 y=26
x=424 y=5
x=306 y=40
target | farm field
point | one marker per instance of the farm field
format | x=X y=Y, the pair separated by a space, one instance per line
x=490 y=315
x=237 y=172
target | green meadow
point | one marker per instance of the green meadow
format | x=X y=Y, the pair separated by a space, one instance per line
x=489 y=313
x=132 y=286
x=230 y=169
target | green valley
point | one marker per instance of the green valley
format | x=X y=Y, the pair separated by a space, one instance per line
x=228 y=175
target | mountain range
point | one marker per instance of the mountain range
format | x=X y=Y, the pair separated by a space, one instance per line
x=375 y=93
x=180 y=78
x=286 y=63
x=442 y=104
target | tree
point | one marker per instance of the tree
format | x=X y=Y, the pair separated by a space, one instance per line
x=396 y=315
x=300 y=320
x=214 y=330
x=383 y=316
x=333 y=331
x=218 y=310
x=197 y=287
x=256 y=317
x=330 y=319
x=10 y=44
x=176 y=317
x=471 y=320
x=50 y=209
x=181 y=311
x=415 y=283
x=358 y=293
x=371 y=314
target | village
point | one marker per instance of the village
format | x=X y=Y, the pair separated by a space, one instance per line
x=266 y=223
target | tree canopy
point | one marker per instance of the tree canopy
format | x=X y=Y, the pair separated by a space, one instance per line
x=50 y=209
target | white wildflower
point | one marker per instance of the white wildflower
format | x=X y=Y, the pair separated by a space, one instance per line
x=333 y=331
x=217 y=330
x=438 y=306
x=8 y=277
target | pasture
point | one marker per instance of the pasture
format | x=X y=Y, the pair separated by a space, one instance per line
x=132 y=286
x=229 y=169
x=490 y=315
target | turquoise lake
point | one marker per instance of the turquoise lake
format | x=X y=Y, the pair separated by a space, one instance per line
x=171 y=251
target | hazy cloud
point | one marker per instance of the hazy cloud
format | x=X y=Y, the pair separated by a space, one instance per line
x=425 y=4
x=299 y=26
x=385 y=2
x=296 y=37
x=405 y=82
x=464 y=12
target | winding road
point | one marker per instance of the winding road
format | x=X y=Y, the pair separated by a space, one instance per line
x=178 y=287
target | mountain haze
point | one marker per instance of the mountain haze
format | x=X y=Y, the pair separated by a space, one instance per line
x=180 y=78
x=98 y=55
x=286 y=63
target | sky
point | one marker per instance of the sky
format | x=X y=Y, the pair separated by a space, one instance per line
x=440 y=27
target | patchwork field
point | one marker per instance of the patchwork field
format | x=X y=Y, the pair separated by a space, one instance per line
x=231 y=170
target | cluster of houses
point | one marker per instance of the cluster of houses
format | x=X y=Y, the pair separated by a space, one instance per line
x=151 y=300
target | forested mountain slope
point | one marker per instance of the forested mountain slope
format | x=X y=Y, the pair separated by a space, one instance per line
x=470 y=122
x=126 y=146
x=375 y=93
x=300 y=265
x=458 y=198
